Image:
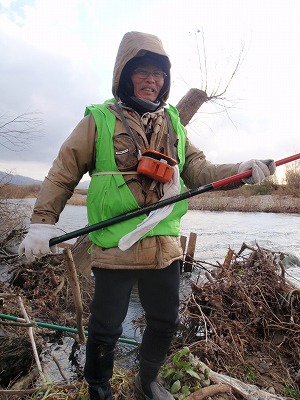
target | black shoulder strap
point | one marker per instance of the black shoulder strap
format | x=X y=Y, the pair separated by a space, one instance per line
x=171 y=135
x=127 y=127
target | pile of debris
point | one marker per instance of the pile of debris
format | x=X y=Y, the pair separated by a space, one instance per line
x=244 y=321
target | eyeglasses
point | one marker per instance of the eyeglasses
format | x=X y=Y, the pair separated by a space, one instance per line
x=143 y=74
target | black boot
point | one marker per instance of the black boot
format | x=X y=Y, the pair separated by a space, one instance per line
x=146 y=383
x=98 y=370
x=153 y=391
x=102 y=392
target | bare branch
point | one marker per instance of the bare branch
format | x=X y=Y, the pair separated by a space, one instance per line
x=17 y=132
x=218 y=92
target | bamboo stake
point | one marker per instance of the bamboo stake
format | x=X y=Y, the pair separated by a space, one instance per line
x=190 y=252
x=42 y=389
x=30 y=332
x=74 y=282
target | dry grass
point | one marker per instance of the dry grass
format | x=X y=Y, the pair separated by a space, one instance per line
x=246 y=199
x=259 y=203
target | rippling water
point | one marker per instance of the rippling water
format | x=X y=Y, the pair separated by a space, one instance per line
x=216 y=231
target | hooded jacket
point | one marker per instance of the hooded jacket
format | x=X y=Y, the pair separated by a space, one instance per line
x=135 y=46
x=77 y=156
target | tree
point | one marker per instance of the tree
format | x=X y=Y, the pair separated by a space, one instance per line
x=292 y=175
x=13 y=214
x=17 y=132
x=191 y=102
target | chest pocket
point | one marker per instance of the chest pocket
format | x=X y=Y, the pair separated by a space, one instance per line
x=126 y=154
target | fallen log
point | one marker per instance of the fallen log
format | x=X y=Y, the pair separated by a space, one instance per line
x=247 y=391
x=209 y=391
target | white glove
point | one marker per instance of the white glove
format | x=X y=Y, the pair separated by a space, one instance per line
x=36 y=242
x=261 y=169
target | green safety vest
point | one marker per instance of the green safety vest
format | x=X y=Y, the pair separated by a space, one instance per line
x=109 y=196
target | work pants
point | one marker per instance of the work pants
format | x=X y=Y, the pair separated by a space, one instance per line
x=159 y=295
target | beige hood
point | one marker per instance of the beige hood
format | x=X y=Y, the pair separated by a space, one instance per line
x=138 y=44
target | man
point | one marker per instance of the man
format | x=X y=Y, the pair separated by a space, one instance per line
x=137 y=153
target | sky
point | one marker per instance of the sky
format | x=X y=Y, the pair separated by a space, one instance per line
x=57 y=57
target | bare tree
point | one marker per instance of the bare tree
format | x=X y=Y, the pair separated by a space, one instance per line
x=292 y=175
x=13 y=214
x=189 y=105
x=17 y=132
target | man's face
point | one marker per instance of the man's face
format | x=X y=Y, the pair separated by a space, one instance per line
x=147 y=79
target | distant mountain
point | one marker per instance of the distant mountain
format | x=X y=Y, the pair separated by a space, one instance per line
x=20 y=180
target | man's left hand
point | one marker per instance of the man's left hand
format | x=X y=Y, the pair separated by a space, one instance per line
x=261 y=169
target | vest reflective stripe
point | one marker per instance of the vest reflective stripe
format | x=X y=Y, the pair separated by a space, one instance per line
x=109 y=196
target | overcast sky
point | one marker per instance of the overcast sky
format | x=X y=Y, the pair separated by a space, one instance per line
x=57 y=57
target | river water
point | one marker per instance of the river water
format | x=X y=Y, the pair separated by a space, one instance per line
x=218 y=230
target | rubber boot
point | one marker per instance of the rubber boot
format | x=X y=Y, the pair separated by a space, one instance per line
x=102 y=392
x=155 y=391
x=98 y=370
x=147 y=385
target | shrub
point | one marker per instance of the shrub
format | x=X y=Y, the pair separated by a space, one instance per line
x=292 y=175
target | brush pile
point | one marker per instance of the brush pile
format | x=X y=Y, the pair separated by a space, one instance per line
x=244 y=321
x=45 y=289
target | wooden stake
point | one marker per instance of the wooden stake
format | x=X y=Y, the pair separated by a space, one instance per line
x=183 y=240
x=189 y=257
x=74 y=282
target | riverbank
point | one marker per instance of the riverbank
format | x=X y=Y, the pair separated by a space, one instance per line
x=223 y=201
x=248 y=198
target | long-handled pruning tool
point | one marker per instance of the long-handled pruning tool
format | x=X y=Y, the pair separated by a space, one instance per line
x=163 y=203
